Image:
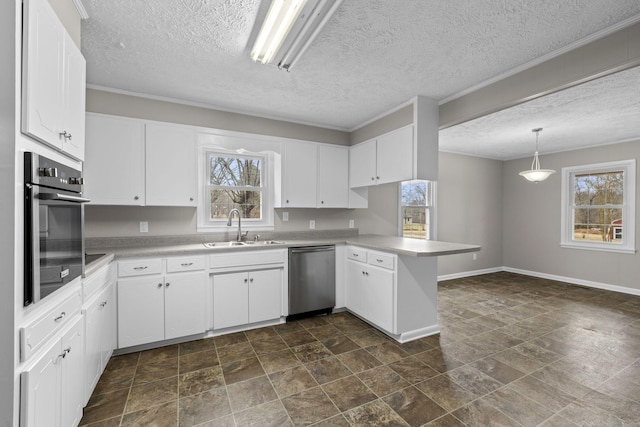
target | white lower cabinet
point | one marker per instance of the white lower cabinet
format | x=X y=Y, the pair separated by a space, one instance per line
x=159 y=305
x=246 y=297
x=52 y=384
x=371 y=287
x=100 y=337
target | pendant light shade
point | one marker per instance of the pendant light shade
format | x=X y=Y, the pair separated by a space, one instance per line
x=535 y=174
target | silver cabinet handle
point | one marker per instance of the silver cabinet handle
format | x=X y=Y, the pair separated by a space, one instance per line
x=191 y=199
x=59 y=318
x=167 y=285
x=251 y=280
x=379 y=260
x=377 y=177
x=186 y=264
x=355 y=255
x=104 y=303
x=373 y=179
x=322 y=202
x=135 y=197
x=159 y=285
x=140 y=268
x=65 y=135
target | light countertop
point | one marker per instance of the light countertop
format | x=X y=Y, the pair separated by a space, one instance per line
x=391 y=244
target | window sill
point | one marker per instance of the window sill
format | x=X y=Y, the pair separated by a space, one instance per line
x=598 y=248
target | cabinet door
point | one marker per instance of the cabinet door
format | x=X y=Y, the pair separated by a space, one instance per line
x=40 y=390
x=299 y=175
x=94 y=334
x=395 y=156
x=362 y=164
x=171 y=167
x=43 y=56
x=333 y=177
x=380 y=297
x=140 y=310
x=72 y=384
x=74 y=99
x=114 y=161
x=265 y=295
x=355 y=292
x=109 y=325
x=230 y=300
x=184 y=304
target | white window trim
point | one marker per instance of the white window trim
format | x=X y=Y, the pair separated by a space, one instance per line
x=267 y=222
x=628 y=208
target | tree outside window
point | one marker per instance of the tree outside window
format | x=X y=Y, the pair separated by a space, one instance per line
x=235 y=183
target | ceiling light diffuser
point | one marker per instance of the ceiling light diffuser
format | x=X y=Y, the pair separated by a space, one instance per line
x=289 y=28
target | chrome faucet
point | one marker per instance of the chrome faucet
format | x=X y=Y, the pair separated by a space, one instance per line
x=231 y=212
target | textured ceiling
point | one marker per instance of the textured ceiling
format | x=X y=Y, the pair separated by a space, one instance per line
x=371 y=56
x=602 y=111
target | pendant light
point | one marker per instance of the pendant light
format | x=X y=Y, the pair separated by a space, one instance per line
x=535 y=174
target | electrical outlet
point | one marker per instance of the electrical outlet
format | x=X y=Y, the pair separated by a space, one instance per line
x=285 y=216
x=312 y=224
x=144 y=227
x=352 y=223
x=475 y=256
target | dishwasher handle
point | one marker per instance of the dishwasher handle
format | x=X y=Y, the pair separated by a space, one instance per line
x=312 y=249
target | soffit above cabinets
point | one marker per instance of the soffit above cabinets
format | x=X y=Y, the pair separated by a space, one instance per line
x=370 y=57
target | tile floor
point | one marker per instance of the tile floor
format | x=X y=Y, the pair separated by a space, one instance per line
x=513 y=351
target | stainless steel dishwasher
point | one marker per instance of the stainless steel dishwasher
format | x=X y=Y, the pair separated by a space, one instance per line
x=312 y=281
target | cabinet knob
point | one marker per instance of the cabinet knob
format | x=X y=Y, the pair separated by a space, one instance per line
x=373 y=179
x=322 y=202
x=287 y=201
x=377 y=177
x=167 y=285
x=136 y=198
x=245 y=280
x=59 y=318
x=65 y=134
x=191 y=199
x=251 y=280
x=159 y=285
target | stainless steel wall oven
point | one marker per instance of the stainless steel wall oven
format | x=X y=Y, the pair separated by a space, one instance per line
x=53 y=226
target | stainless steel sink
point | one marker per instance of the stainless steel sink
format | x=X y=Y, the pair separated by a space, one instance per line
x=223 y=244
x=265 y=242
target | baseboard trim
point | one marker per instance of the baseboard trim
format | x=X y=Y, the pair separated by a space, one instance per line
x=565 y=279
x=574 y=281
x=470 y=273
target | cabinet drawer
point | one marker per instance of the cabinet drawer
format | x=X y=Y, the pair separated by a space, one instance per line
x=381 y=260
x=140 y=267
x=175 y=265
x=36 y=333
x=356 y=254
x=247 y=258
x=97 y=280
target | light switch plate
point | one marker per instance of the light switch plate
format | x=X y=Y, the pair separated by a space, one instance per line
x=144 y=227
x=285 y=216
x=312 y=224
x=352 y=223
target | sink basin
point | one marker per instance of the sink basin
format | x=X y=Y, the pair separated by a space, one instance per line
x=265 y=242
x=223 y=244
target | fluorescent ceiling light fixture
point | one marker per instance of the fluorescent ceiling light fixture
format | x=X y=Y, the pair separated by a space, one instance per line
x=535 y=174
x=289 y=28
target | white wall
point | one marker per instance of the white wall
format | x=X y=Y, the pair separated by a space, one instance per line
x=470 y=211
x=531 y=214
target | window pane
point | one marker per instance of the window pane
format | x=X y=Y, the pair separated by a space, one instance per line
x=415 y=193
x=248 y=202
x=598 y=224
x=599 y=189
x=235 y=171
x=415 y=222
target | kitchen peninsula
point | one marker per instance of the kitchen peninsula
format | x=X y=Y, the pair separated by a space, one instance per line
x=391 y=282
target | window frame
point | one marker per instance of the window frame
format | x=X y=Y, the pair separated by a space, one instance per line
x=430 y=211
x=628 y=167
x=205 y=224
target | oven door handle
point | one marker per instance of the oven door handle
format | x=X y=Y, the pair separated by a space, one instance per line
x=62 y=197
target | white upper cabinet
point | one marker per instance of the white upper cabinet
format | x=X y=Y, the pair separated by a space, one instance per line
x=132 y=162
x=53 y=97
x=299 y=175
x=333 y=176
x=388 y=158
x=394 y=161
x=114 y=162
x=315 y=175
x=171 y=170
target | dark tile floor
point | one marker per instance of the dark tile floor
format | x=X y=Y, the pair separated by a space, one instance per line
x=513 y=351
